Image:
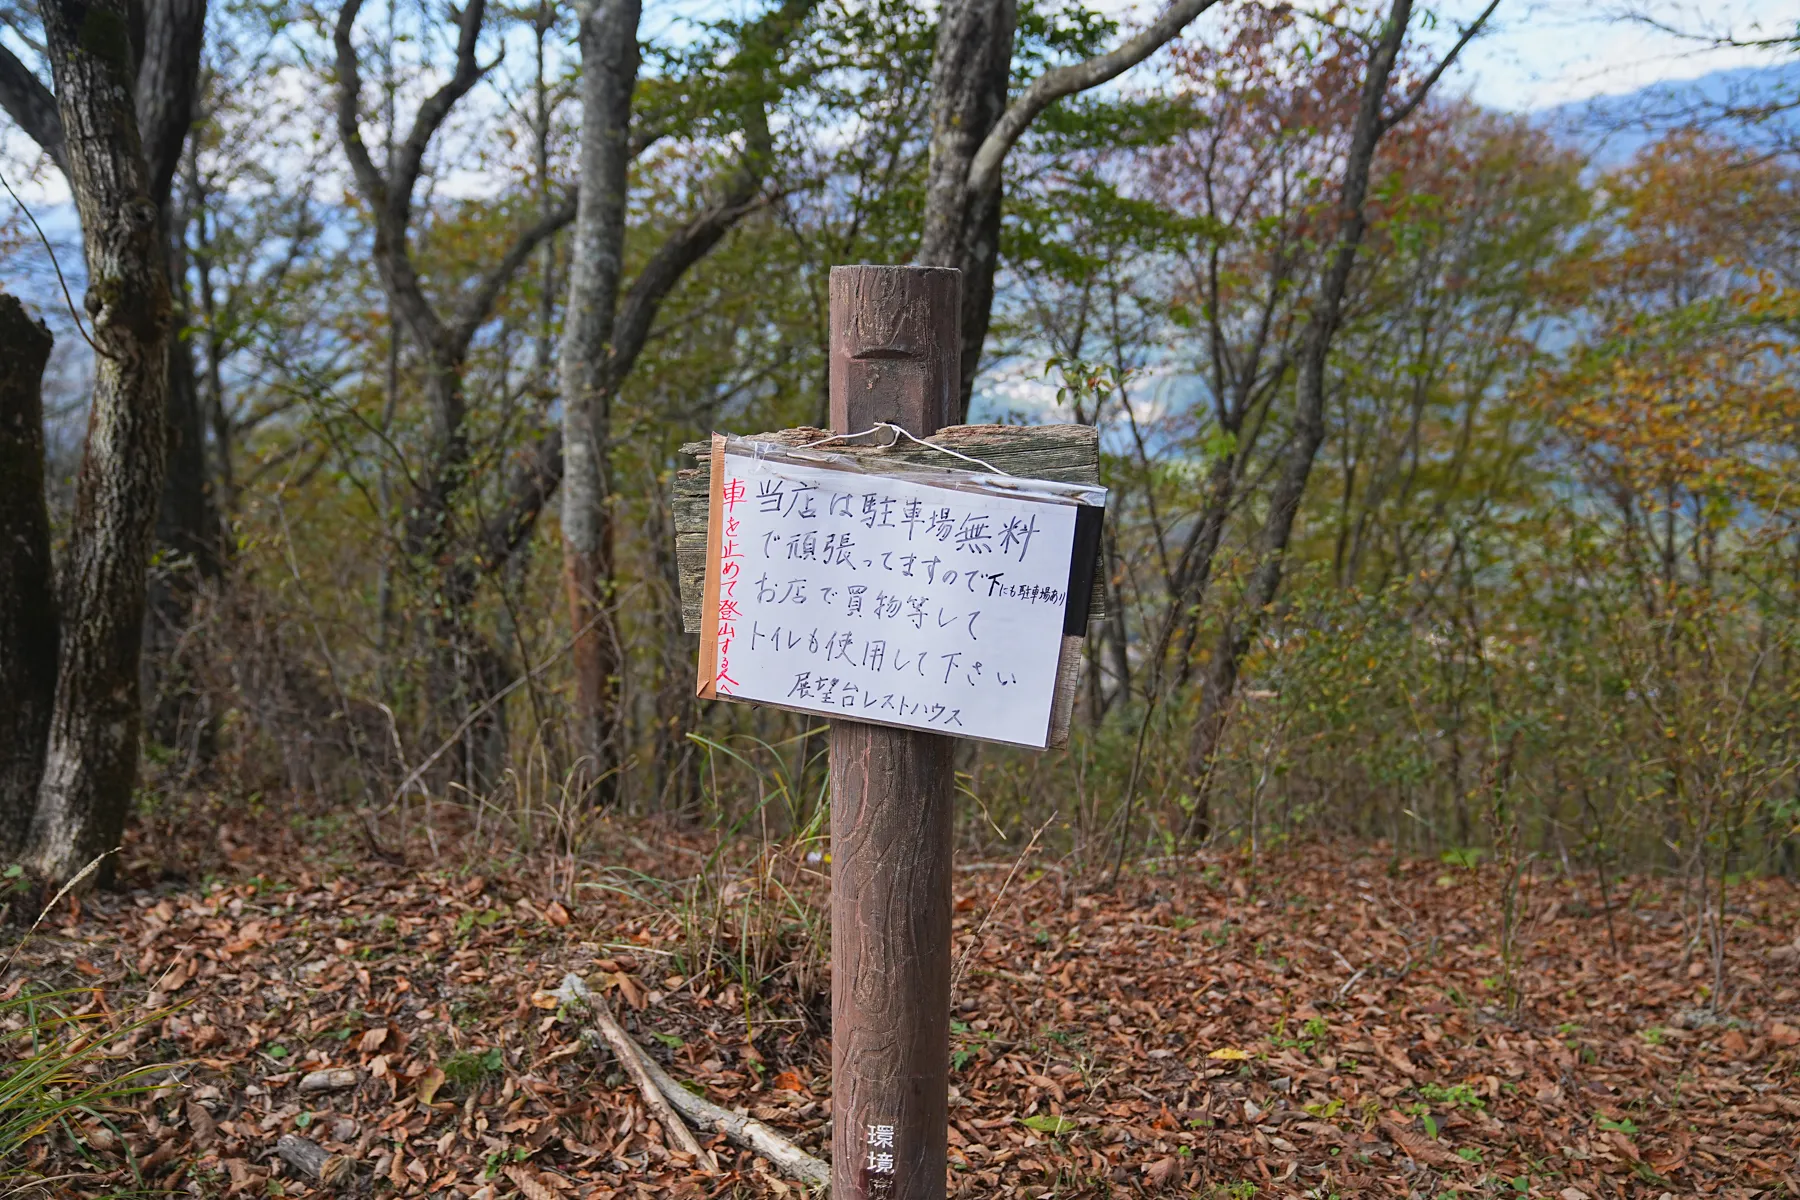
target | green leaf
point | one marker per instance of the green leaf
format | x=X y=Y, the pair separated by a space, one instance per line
x=1048 y=1123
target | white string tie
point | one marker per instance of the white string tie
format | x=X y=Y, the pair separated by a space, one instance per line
x=895 y=441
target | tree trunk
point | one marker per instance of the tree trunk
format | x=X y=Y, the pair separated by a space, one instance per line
x=980 y=263
x=187 y=524
x=969 y=75
x=167 y=79
x=1193 y=570
x=91 y=760
x=466 y=668
x=28 y=625
x=187 y=533
x=609 y=66
x=973 y=129
x=1308 y=434
x=462 y=663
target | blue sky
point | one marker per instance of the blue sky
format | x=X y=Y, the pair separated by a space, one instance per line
x=1537 y=54
x=1543 y=53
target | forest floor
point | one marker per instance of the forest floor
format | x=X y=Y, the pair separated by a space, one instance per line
x=1332 y=1024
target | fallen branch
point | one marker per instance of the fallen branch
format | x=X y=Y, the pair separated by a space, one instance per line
x=747 y=1132
x=744 y=1131
x=636 y=1064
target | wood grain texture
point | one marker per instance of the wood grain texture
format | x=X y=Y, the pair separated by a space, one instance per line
x=895 y=351
x=1068 y=687
x=1063 y=453
x=892 y=828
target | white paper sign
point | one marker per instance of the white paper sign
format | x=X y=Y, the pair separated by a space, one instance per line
x=886 y=599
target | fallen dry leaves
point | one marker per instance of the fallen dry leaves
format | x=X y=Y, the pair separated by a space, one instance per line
x=1331 y=1026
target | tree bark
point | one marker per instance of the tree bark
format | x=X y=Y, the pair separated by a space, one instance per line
x=187 y=530
x=187 y=520
x=91 y=758
x=609 y=67
x=167 y=84
x=28 y=620
x=604 y=331
x=29 y=103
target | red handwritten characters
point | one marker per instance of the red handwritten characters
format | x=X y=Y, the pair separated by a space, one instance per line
x=731 y=495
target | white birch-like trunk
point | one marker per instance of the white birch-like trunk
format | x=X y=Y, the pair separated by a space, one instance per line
x=609 y=66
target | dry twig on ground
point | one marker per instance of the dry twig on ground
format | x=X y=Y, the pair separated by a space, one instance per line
x=664 y=1095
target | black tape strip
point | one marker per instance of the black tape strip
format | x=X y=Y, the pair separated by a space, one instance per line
x=1088 y=519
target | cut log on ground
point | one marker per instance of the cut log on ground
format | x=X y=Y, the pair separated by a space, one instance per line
x=738 y=1129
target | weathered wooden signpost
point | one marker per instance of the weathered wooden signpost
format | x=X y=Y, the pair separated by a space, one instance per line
x=913 y=600
x=895 y=352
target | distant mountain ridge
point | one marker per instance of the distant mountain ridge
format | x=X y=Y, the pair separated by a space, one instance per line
x=1613 y=128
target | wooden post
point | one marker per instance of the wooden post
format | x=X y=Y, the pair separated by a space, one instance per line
x=895 y=355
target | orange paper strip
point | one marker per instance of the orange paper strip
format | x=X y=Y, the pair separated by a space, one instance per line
x=706 y=685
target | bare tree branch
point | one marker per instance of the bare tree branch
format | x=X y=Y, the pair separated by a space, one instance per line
x=432 y=113
x=390 y=255
x=1053 y=85
x=1726 y=40
x=685 y=247
x=349 y=111
x=1424 y=89
x=167 y=79
x=32 y=106
x=535 y=480
x=479 y=303
x=625 y=323
x=642 y=140
x=391 y=198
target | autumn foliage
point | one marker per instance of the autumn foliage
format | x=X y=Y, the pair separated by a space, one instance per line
x=1434 y=833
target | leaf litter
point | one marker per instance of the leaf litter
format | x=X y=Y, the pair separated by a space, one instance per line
x=1332 y=1025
